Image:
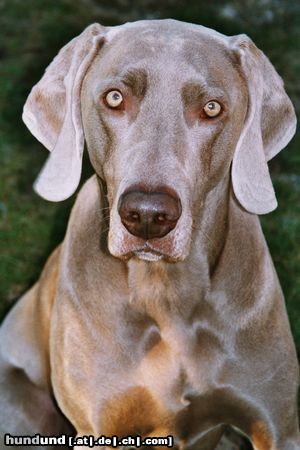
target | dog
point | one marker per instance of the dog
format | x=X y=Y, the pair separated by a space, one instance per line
x=161 y=313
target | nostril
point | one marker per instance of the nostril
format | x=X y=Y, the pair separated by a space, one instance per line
x=133 y=216
x=161 y=218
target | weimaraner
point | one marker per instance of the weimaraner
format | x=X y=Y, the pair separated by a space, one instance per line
x=161 y=313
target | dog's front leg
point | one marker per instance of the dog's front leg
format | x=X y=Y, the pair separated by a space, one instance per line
x=280 y=439
x=27 y=405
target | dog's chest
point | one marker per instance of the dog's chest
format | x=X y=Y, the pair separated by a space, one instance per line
x=151 y=363
x=167 y=371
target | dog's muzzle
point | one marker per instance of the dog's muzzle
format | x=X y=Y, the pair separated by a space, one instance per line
x=149 y=215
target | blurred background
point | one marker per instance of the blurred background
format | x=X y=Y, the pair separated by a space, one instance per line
x=32 y=32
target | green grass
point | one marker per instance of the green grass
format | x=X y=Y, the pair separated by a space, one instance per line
x=26 y=222
x=30 y=227
x=282 y=230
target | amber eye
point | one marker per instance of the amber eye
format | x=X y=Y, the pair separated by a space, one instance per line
x=114 y=98
x=212 y=108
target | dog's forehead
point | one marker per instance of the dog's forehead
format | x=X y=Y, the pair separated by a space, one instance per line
x=162 y=30
x=164 y=42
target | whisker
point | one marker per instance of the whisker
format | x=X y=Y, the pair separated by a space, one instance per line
x=206 y=235
x=104 y=231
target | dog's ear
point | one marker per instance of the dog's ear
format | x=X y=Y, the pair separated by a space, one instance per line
x=53 y=115
x=269 y=126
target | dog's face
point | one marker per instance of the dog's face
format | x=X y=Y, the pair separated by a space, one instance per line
x=169 y=111
x=179 y=110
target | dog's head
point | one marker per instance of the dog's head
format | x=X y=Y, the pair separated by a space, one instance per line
x=167 y=109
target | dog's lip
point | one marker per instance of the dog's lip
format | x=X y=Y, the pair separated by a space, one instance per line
x=146 y=252
x=147 y=255
x=156 y=249
x=147 y=249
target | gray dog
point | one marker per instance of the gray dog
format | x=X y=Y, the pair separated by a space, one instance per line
x=161 y=313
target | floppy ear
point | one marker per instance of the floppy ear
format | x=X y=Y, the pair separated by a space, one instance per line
x=270 y=124
x=52 y=114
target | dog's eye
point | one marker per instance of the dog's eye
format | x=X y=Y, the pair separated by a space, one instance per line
x=212 y=108
x=114 y=99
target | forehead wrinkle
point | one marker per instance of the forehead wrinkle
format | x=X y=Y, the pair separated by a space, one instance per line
x=136 y=79
x=194 y=90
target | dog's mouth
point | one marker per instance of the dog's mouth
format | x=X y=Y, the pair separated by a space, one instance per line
x=148 y=251
x=144 y=252
x=148 y=255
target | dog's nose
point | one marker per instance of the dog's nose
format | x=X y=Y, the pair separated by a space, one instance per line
x=149 y=215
